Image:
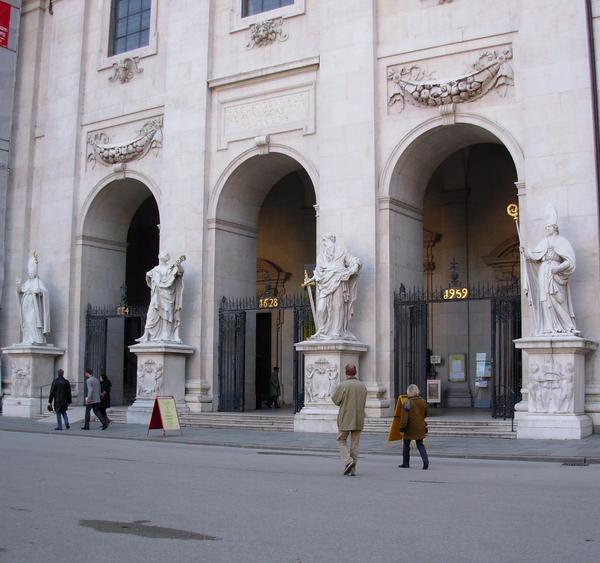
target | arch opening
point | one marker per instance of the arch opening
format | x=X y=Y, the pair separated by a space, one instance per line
x=120 y=241
x=264 y=238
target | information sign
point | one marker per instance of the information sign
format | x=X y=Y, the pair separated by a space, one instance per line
x=164 y=415
x=4 y=23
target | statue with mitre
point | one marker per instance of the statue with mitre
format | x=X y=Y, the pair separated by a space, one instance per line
x=34 y=305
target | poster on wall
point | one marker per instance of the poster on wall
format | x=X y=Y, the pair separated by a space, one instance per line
x=434 y=394
x=456 y=367
x=4 y=23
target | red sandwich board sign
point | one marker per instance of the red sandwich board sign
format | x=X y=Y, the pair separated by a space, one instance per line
x=4 y=23
x=164 y=415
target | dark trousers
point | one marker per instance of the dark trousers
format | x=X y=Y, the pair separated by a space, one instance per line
x=96 y=408
x=406 y=452
x=60 y=416
x=103 y=411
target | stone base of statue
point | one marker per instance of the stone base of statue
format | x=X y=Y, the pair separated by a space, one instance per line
x=160 y=372
x=324 y=363
x=31 y=368
x=554 y=387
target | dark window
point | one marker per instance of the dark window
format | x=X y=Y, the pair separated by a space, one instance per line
x=129 y=25
x=251 y=7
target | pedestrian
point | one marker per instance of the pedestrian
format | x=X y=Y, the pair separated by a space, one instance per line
x=60 y=394
x=350 y=396
x=92 y=401
x=274 y=389
x=105 y=386
x=413 y=425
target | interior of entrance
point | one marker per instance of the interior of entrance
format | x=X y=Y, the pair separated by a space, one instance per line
x=285 y=247
x=468 y=240
x=120 y=244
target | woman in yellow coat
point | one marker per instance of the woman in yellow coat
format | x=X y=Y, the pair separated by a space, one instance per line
x=413 y=425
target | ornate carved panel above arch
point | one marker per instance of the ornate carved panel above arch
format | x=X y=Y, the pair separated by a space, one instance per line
x=505 y=260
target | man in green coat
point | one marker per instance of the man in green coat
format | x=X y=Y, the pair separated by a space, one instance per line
x=350 y=396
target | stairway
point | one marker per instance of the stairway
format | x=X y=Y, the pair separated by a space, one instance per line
x=438 y=426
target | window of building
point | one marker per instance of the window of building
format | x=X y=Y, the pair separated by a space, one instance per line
x=130 y=25
x=252 y=7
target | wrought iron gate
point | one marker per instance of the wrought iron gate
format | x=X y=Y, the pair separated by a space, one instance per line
x=411 y=338
x=96 y=330
x=232 y=345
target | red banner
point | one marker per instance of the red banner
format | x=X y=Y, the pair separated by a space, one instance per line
x=4 y=23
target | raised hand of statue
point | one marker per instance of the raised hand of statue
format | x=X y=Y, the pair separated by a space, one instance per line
x=18 y=283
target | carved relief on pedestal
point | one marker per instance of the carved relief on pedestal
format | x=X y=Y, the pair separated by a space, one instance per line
x=21 y=381
x=125 y=70
x=149 y=379
x=551 y=387
x=266 y=32
x=321 y=379
x=414 y=85
x=148 y=138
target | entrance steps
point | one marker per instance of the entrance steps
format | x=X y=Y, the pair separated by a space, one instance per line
x=284 y=422
x=478 y=428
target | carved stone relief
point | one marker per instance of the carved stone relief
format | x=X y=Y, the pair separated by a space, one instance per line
x=148 y=138
x=551 y=386
x=125 y=70
x=321 y=379
x=266 y=32
x=149 y=379
x=21 y=381
x=414 y=85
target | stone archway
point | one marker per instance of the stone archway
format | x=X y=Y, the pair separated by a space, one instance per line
x=403 y=183
x=236 y=225
x=117 y=213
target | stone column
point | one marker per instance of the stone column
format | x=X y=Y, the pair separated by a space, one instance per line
x=554 y=370
x=324 y=363
x=160 y=372
x=31 y=368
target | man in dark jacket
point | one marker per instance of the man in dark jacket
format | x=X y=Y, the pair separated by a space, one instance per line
x=60 y=393
x=92 y=401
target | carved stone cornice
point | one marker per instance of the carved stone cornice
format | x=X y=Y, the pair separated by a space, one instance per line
x=266 y=32
x=126 y=69
x=148 y=138
x=413 y=85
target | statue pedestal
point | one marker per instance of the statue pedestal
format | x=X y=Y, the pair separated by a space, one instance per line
x=554 y=369
x=160 y=372
x=31 y=367
x=324 y=363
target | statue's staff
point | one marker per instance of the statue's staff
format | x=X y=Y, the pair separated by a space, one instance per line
x=307 y=283
x=512 y=210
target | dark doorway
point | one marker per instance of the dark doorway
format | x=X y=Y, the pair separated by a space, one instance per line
x=263 y=357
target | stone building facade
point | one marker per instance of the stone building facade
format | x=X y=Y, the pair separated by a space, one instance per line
x=236 y=132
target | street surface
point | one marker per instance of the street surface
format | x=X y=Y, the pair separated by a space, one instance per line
x=82 y=499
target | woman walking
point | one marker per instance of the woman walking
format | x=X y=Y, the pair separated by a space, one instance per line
x=413 y=425
x=105 y=385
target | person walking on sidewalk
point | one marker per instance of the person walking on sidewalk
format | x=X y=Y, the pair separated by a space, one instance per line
x=60 y=394
x=413 y=425
x=350 y=396
x=92 y=401
x=105 y=386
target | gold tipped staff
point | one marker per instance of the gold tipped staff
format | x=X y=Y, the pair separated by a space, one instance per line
x=307 y=283
x=512 y=210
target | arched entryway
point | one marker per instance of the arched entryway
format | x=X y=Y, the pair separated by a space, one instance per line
x=263 y=231
x=454 y=262
x=120 y=243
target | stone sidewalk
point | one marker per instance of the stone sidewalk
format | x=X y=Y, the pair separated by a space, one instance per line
x=560 y=451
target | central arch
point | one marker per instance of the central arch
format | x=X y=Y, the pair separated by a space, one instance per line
x=261 y=232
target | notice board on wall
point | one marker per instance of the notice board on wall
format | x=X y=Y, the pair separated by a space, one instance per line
x=4 y=24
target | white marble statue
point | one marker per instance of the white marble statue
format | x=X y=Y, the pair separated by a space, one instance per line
x=34 y=306
x=166 y=291
x=336 y=277
x=549 y=267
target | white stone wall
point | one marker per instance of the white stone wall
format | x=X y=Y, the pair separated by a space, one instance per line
x=237 y=117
